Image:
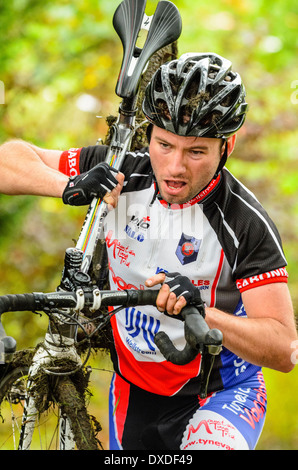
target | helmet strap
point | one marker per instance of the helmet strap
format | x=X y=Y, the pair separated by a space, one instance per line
x=156 y=194
x=223 y=160
x=149 y=132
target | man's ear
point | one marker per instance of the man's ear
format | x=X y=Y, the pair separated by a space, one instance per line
x=231 y=144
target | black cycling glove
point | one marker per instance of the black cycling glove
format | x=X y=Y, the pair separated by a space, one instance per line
x=182 y=286
x=81 y=189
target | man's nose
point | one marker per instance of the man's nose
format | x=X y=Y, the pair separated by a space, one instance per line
x=177 y=163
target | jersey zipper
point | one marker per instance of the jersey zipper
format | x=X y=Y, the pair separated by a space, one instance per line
x=158 y=234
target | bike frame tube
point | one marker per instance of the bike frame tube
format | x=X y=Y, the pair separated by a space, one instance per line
x=60 y=348
x=93 y=225
x=66 y=440
x=30 y=415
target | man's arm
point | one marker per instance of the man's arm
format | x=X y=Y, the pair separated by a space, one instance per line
x=264 y=338
x=26 y=169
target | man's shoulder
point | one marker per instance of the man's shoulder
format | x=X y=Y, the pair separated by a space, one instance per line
x=137 y=169
x=236 y=195
x=136 y=158
x=94 y=154
x=245 y=228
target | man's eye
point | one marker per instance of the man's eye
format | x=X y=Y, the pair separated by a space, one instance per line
x=196 y=153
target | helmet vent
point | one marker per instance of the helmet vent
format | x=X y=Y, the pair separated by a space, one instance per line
x=163 y=110
x=230 y=98
x=158 y=84
x=211 y=119
x=213 y=72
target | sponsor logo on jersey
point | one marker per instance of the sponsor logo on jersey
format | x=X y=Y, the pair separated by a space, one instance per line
x=121 y=284
x=202 y=284
x=141 y=324
x=188 y=249
x=210 y=433
x=120 y=252
x=137 y=228
x=161 y=270
x=73 y=156
x=241 y=404
x=277 y=275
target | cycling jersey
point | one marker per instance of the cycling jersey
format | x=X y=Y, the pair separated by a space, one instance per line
x=222 y=240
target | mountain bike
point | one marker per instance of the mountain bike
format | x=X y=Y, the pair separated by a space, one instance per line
x=52 y=378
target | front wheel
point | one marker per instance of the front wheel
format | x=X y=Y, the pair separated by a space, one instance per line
x=67 y=408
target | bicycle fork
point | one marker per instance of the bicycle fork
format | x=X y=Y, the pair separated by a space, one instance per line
x=55 y=347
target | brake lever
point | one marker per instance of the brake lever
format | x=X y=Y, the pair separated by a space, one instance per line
x=198 y=334
x=199 y=340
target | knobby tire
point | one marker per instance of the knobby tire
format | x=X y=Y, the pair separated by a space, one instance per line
x=66 y=397
x=73 y=406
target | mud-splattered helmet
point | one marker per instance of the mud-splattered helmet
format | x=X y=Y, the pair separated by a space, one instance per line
x=197 y=95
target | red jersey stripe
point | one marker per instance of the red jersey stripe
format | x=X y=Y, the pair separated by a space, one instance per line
x=69 y=163
x=277 y=275
x=216 y=279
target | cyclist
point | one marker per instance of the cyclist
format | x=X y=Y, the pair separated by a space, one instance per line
x=183 y=221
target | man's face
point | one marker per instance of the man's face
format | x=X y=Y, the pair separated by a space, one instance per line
x=183 y=166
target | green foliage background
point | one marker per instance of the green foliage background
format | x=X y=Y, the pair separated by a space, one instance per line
x=59 y=61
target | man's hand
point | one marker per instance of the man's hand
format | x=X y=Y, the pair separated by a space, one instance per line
x=102 y=181
x=176 y=292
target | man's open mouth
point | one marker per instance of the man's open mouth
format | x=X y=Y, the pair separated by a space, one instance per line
x=175 y=185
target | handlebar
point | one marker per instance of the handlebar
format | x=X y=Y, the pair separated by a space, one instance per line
x=75 y=300
x=199 y=338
